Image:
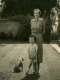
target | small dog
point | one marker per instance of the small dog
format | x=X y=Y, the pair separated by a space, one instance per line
x=19 y=65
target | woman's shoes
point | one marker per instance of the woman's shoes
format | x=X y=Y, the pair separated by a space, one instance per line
x=36 y=74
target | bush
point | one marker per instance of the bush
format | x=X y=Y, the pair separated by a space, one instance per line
x=19 y=28
x=24 y=29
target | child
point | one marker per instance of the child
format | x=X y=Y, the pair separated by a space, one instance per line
x=32 y=53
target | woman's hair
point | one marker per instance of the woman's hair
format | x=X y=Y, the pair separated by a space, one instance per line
x=54 y=10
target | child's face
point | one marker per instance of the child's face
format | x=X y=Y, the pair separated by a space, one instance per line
x=31 y=40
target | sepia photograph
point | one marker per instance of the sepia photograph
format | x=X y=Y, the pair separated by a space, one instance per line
x=29 y=39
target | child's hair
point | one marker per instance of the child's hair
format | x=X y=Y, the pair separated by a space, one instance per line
x=33 y=37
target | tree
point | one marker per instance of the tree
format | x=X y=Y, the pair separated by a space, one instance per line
x=15 y=7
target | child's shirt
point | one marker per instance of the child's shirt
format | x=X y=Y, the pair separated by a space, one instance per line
x=32 y=51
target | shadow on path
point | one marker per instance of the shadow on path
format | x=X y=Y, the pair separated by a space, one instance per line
x=31 y=77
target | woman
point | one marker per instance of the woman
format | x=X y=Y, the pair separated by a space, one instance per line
x=54 y=20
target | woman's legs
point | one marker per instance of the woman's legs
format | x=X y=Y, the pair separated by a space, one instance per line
x=38 y=66
x=35 y=67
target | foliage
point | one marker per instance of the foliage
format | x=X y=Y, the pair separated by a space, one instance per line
x=15 y=7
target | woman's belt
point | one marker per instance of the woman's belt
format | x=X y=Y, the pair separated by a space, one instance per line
x=36 y=31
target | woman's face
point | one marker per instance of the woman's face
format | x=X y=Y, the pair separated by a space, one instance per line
x=36 y=14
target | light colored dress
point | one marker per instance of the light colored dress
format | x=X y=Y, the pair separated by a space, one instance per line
x=55 y=22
